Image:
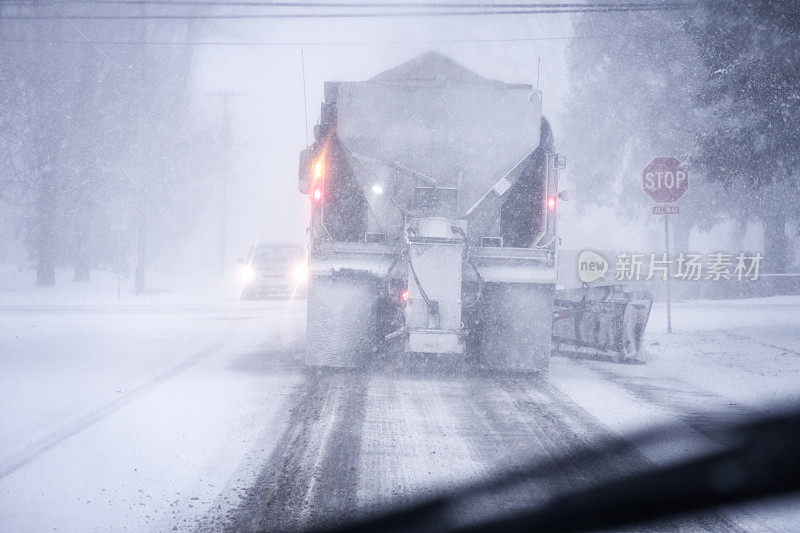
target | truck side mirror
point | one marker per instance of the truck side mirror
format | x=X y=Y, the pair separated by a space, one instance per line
x=565 y=195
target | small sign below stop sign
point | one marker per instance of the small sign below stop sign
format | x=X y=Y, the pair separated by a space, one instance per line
x=665 y=180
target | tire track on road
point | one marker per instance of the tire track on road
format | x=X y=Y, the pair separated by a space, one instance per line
x=511 y=423
x=743 y=337
x=334 y=496
x=628 y=460
x=686 y=402
x=520 y=421
x=689 y=403
x=312 y=474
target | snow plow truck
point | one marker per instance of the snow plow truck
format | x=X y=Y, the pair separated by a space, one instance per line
x=433 y=195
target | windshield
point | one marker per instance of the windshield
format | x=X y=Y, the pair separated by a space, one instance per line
x=452 y=265
x=269 y=254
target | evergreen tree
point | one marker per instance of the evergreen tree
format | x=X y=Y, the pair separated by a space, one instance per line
x=748 y=137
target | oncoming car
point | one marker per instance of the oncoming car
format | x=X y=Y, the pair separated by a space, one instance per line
x=273 y=270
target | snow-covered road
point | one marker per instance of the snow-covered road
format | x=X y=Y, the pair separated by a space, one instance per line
x=187 y=416
x=136 y=418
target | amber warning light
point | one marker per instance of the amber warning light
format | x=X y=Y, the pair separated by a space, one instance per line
x=317 y=174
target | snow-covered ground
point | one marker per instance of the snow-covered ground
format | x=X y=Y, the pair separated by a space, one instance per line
x=725 y=357
x=738 y=353
x=108 y=289
x=158 y=413
x=131 y=414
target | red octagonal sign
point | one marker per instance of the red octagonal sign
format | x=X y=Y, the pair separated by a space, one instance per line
x=665 y=180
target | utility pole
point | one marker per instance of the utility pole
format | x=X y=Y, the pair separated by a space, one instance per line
x=225 y=97
x=305 y=99
x=140 y=212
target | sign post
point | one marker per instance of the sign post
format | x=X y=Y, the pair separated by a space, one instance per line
x=665 y=180
x=669 y=296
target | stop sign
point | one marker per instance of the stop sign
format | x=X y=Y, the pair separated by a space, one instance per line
x=665 y=180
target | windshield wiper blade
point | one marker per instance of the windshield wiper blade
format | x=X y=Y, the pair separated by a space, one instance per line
x=761 y=459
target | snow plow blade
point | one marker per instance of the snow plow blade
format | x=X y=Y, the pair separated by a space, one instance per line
x=606 y=320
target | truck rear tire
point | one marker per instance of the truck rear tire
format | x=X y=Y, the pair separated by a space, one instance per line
x=515 y=326
x=341 y=320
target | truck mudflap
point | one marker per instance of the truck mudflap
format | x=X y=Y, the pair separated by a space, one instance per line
x=607 y=320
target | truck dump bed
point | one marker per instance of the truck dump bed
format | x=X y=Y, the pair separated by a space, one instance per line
x=438 y=119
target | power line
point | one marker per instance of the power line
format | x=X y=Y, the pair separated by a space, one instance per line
x=316 y=43
x=357 y=5
x=391 y=14
x=85 y=38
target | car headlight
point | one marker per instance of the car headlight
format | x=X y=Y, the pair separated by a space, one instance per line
x=247 y=273
x=300 y=272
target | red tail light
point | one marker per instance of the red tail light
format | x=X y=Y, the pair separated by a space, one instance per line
x=551 y=203
x=317 y=196
x=405 y=295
